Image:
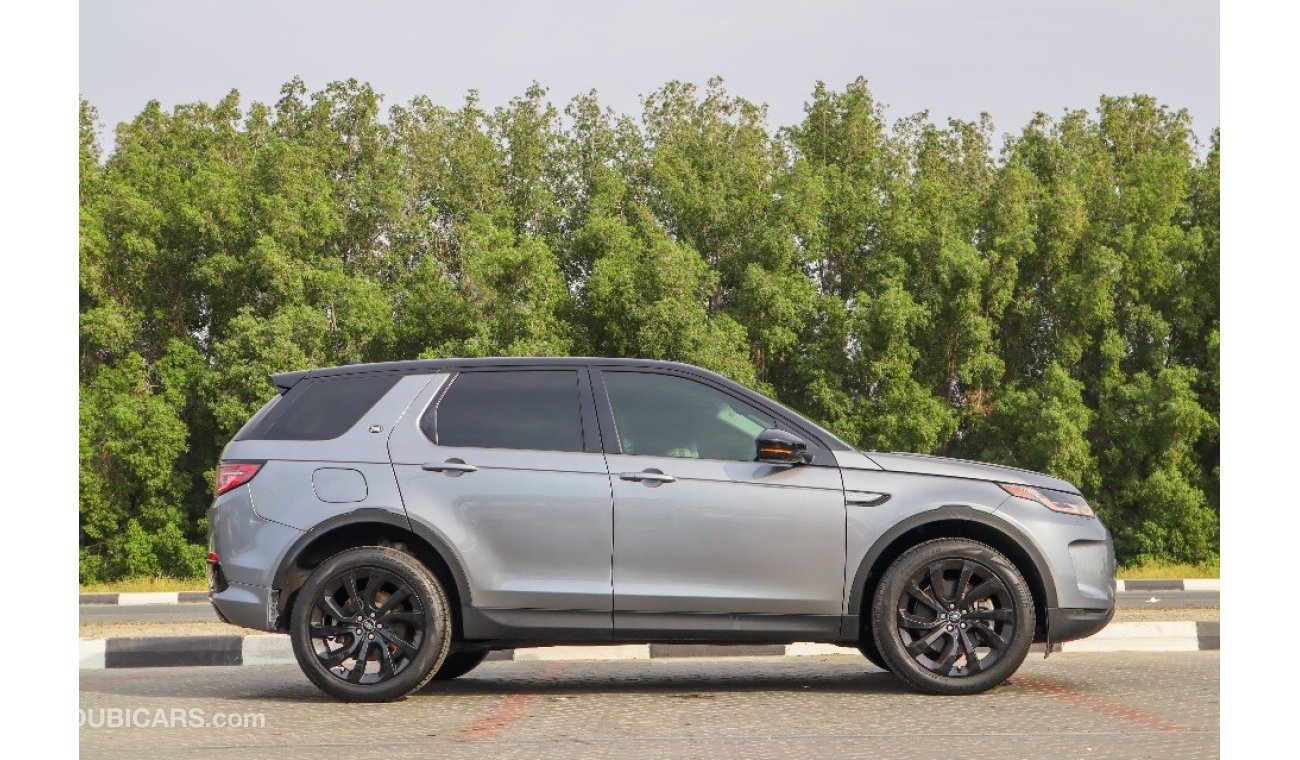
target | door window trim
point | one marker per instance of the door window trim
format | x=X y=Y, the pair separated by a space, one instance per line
x=821 y=454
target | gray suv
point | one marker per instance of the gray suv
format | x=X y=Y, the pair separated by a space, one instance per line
x=400 y=521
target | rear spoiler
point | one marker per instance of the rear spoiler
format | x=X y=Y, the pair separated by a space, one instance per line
x=286 y=380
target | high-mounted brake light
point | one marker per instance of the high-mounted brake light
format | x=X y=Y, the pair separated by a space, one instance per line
x=234 y=475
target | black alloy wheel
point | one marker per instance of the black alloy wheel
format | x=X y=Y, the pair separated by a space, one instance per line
x=956 y=617
x=371 y=624
x=367 y=625
x=952 y=616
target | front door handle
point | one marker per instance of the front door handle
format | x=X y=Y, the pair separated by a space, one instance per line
x=647 y=476
x=453 y=467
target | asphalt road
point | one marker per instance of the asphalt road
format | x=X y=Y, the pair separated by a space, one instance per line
x=175 y=613
x=193 y=613
x=1131 y=705
x=1167 y=599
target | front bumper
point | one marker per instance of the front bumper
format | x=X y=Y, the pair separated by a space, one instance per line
x=1078 y=552
x=1080 y=564
x=1068 y=624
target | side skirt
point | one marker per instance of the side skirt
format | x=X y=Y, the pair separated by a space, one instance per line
x=575 y=627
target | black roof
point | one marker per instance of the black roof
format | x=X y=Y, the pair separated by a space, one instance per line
x=286 y=380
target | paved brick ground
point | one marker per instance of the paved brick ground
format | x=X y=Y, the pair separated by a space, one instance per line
x=1131 y=705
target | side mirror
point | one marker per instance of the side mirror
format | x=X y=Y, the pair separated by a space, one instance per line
x=779 y=447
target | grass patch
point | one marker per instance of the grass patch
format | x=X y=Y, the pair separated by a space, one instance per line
x=130 y=585
x=1158 y=571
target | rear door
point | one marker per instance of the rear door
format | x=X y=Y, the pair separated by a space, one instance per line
x=506 y=465
x=706 y=538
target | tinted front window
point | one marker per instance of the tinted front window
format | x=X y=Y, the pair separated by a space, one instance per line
x=322 y=409
x=669 y=416
x=518 y=409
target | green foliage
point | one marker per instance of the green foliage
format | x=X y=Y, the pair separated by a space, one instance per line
x=1043 y=427
x=649 y=295
x=1051 y=304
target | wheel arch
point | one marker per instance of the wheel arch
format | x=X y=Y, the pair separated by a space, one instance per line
x=955 y=521
x=369 y=527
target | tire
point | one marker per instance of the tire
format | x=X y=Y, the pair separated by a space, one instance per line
x=867 y=646
x=458 y=664
x=952 y=616
x=404 y=625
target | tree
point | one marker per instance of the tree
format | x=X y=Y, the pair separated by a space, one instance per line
x=1050 y=303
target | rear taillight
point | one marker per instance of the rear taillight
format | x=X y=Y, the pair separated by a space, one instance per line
x=234 y=475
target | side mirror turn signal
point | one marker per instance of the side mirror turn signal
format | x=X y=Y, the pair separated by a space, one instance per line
x=780 y=447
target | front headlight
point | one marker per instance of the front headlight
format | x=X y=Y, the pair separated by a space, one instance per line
x=1057 y=501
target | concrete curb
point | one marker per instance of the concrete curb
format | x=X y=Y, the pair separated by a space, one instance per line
x=150 y=597
x=274 y=649
x=1180 y=636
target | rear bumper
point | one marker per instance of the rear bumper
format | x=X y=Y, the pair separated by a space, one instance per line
x=1068 y=624
x=248 y=549
x=247 y=606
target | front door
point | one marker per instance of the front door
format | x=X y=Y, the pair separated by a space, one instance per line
x=501 y=465
x=706 y=538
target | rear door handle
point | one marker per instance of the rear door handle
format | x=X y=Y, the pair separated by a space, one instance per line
x=647 y=476
x=451 y=466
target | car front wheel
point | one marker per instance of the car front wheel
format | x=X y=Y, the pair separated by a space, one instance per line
x=867 y=646
x=371 y=624
x=458 y=664
x=953 y=616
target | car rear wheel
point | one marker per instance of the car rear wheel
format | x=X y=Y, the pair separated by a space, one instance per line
x=458 y=664
x=953 y=616
x=371 y=624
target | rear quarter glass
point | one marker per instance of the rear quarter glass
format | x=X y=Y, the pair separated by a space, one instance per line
x=252 y=423
x=319 y=409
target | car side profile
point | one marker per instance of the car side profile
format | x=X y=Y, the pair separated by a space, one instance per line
x=402 y=520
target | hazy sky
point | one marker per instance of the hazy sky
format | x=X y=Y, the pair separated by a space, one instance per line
x=1009 y=58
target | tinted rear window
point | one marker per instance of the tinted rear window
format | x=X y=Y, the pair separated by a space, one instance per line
x=518 y=409
x=323 y=408
x=250 y=428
